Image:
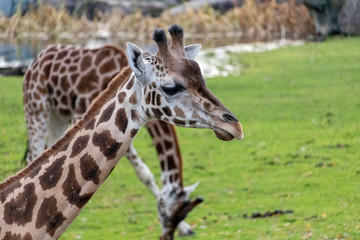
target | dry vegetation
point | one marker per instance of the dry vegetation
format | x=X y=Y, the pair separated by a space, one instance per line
x=251 y=22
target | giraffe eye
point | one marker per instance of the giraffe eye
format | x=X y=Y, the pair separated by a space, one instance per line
x=171 y=91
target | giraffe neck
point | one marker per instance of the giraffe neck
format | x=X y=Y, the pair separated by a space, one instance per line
x=44 y=201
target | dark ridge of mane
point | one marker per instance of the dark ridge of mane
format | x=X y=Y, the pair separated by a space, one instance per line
x=92 y=111
x=159 y=36
x=176 y=30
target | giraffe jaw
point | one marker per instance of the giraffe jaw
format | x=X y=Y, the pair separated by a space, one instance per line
x=223 y=135
x=226 y=135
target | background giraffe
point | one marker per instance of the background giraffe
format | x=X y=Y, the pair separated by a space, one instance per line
x=59 y=86
x=43 y=199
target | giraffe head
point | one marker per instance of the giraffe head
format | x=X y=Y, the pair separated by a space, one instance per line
x=174 y=89
x=173 y=206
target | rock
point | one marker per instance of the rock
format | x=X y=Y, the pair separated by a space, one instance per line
x=349 y=18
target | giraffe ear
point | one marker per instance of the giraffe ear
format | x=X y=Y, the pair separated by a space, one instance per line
x=192 y=50
x=135 y=59
x=190 y=189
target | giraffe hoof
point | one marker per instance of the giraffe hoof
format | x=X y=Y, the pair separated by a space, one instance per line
x=184 y=229
x=189 y=232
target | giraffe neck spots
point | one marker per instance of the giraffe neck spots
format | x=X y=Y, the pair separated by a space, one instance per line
x=49 y=216
x=71 y=189
x=20 y=209
x=90 y=171
x=52 y=174
x=79 y=145
x=14 y=236
x=107 y=145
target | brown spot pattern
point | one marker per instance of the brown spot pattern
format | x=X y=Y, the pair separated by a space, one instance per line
x=71 y=190
x=101 y=55
x=133 y=132
x=64 y=112
x=14 y=236
x=56 y=67
x=168 y=145
x=20 y=209
x=165 y=127
x=130 y=83
x=179 y=112
x=74 y=77
x=81 y=108
x=108 y=66
x=208 y=95
x=133 y=99
x=159 y=149
x=107 y=113
x=64 y=100
x=162 y=166
x=158 y=99
x=90 y=125
x=64 y=147
x=108 y=146
x=178 y=121
x=171 y=163
x=46 y=69
x=150 y=132
x=207 y=105
x=121 y=97
x=85 y=63
x=88 y=82
x=167 y=111
x=79 y=145
x=89 y=169
x=34 y=172
x=121 y=120
x=52 y=174
x=153 y=95
x=61 y=55
x=49 y=216
x=134 y=115
x=8 y=190
x=27 y=236
x=156 y=112
x=147 y=99
x=74 y=53
x=49 y=89
x=157 y=130
x=72 y=68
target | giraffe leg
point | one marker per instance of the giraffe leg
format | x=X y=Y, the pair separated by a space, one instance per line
x=142 y=171
x=37 y=128
x=57 y=126
x=167 y=146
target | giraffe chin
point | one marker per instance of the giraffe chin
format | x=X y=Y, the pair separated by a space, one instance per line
x=223 y=135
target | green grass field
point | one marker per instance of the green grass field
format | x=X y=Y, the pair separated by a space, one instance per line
x=300 y=109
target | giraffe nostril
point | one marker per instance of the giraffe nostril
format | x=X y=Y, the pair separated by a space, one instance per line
x=229 y=118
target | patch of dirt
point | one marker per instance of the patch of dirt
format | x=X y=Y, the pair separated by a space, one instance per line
x=267 y=214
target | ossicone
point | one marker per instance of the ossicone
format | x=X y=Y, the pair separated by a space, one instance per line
x=159 y=37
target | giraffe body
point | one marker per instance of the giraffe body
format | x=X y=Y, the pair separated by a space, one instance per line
x=42 y=200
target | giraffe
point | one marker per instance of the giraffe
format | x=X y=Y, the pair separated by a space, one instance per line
x=42 y=200
x=59 y=86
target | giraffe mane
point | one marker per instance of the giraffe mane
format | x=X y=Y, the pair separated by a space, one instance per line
x=94 y=108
